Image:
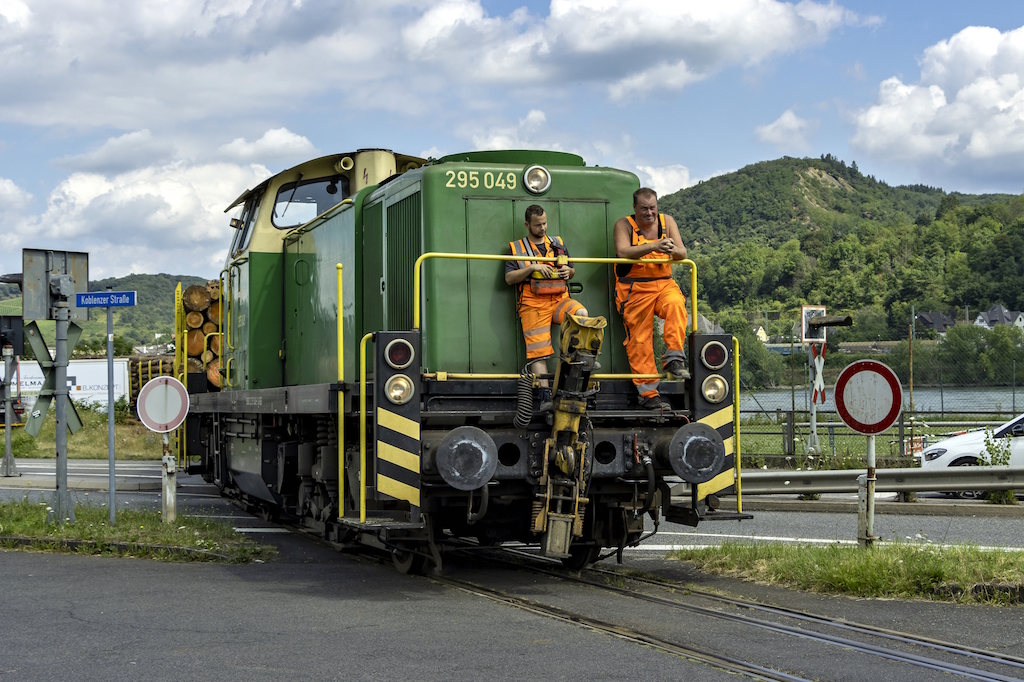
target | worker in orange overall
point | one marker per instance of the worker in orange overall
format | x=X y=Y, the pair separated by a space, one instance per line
x=542 y=289
x=645 y=290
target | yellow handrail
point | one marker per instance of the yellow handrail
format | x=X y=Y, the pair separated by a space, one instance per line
x=486 y=256
x=362 y=427
x=341 y=398
x=736 y=417
x=492 y=377
x=224 y=308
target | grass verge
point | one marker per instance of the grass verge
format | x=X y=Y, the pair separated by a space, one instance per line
x=960 y=573
x=132 y=440
x=140 y=534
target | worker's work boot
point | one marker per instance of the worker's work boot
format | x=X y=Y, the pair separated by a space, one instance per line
x=652 y=403
x=677 y=369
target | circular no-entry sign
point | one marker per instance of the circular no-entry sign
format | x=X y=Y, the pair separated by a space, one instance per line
x=163 y=404
x=868 y=396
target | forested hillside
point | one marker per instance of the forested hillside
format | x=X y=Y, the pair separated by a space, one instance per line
x=153 y=313
x=777 y=234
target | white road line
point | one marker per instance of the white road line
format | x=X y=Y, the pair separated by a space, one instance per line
x=262 y=530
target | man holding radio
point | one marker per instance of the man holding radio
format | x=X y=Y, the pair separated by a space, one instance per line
x=542 y=289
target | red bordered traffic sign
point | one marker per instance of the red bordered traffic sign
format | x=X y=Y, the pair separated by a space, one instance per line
x=868 y=396
x=162 y=404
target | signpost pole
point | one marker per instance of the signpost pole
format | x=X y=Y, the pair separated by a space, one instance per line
x=869 y=537
x=9 y=468
x=61 y=508
x=111 y=484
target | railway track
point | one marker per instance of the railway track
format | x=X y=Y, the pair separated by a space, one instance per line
x=1008 y=668
x=1012 y=664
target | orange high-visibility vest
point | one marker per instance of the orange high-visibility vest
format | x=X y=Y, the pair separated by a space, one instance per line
x=642 y=272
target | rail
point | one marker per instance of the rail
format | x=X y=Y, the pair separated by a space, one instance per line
x=736 y=421
x=486 y=256
x=947 y=479
x=341 y=397
x=362 y=426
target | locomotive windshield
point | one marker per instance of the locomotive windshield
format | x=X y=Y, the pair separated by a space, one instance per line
x=299 y=202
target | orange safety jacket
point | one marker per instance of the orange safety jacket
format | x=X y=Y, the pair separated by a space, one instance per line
x=642 y=272
x=525 y=248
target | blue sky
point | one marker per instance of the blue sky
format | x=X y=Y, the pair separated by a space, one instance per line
x=126 y=128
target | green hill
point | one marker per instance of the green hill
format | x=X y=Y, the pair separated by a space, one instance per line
x=777 y=234
x=153 y=313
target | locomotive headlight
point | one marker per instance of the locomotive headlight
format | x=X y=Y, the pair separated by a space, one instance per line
x=399 y=354
x=536 y=179
x=714 y=355
x=715 y=388
x=399 y=389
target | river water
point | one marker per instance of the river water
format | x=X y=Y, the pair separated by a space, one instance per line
x=947 y=400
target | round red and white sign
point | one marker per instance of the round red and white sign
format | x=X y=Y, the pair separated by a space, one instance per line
x=869 y=397
x=163 y=404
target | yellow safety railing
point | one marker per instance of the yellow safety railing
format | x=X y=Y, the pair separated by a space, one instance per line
x=341 y=397
x=736 y=420
x=362 y=427
x=484 y=256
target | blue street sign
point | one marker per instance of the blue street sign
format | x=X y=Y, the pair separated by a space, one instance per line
x=105 y=299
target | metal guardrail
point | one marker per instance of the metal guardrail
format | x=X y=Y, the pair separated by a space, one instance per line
x=949 y=479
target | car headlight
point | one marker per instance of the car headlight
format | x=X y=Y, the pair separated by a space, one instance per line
x=399 y=389
x=715 y=388
x=536 y=179
x=929 y=455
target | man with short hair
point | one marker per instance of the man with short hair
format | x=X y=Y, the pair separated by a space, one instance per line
x=542 y=297
x=645 y=290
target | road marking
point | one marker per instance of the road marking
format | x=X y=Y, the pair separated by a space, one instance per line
x=262 y=530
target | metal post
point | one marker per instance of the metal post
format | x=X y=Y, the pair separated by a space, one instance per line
x=61 y=507
x=170 y=506
x=1015 y=386
x=862 y=510
x=9 y=468
x=111 y=484
x=869 y=528
x=812 y=437
x=942 y=393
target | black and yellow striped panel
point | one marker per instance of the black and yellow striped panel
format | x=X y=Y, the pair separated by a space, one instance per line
x=721 y=421
x=398 y=458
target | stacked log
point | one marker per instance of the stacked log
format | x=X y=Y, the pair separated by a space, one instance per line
x=142 y=368
x=201 y=304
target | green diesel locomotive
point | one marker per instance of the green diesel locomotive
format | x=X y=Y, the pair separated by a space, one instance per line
x=372 y=366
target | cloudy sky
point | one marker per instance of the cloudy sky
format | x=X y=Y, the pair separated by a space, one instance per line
x=127 y=127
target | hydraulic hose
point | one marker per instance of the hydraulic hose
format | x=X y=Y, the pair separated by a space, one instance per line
x=649 y=465
x=524 y=400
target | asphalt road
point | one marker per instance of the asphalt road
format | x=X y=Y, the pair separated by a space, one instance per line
x=318 y=613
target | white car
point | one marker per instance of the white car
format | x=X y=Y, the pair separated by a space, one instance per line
x=968 y=449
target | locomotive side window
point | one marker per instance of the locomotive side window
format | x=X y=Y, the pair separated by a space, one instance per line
x=299 y=202
x=248 y=218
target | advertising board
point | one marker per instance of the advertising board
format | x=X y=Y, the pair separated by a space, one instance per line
x=87 y=380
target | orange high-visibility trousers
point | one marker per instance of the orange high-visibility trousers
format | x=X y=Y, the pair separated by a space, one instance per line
x=537 y=314
x=639 y=302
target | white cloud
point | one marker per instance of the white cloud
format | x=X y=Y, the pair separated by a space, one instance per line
x=275 y=145
x=665 y=179
x=142 y=65
x=164 y=218
x=529 y=133
x=788 y=132
x=967 y=110
x=15 y=12
x=13 y=199
x=118 y=154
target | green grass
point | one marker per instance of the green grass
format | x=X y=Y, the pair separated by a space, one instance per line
x=900 y=570
x=132 y=440
x=136 y=533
